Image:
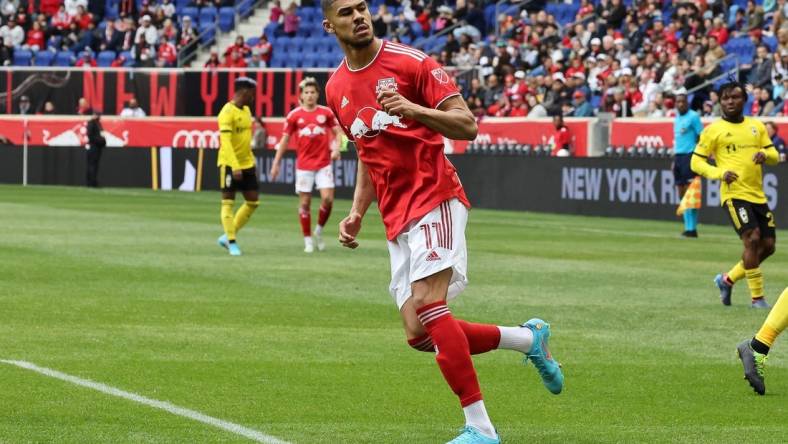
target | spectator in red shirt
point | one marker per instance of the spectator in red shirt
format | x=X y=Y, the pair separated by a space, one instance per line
x=562 y=138
x=49 y=7
x=86 y=61
x=239 y=46
x=234 y=60
x=519 y=108
x=83 y=19
x=291 y=20
x=276 y=12
x=213 y=60
x=35 y=37
x=167 y=54
x=720 y=31
x=264 y=46
x=61 y=20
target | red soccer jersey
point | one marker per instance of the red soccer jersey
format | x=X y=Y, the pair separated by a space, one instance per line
x=404 y=157
x=313 y=131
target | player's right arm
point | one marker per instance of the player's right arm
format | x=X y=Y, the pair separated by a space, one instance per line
x=226 y=127
x=700 y=158
x=350 y=226
x=280 y=151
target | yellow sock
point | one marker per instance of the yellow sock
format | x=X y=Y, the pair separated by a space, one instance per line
x=755 y=282
x=737 y=272
x=244 y=213
x=227 y=218
x=776 y=321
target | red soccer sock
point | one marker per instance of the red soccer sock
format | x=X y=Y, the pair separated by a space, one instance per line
x=306 y=222
x=452 y=351
x=481 y=337
x=323 y=214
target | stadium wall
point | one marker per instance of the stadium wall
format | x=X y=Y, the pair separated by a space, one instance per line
x=632 y=188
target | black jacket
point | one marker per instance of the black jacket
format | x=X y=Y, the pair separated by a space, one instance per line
x=95 y=139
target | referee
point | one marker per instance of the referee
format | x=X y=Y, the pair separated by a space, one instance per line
x=686 y=131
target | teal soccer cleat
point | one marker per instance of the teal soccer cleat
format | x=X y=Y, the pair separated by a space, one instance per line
x=223 y=242
x=548 y=368
x=233 y=248
x=471 y=435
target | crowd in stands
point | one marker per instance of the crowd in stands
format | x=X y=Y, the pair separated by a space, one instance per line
x=628 y=60
x=142 y=33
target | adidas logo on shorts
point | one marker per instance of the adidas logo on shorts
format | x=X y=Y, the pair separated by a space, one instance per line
x=433 y=256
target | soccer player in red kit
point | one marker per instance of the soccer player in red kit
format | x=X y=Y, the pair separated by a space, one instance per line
x=397 y=104
x=314 y=128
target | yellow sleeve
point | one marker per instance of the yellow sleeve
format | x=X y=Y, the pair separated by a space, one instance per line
x=700 y=157
x=772 y=155
x=226 y=127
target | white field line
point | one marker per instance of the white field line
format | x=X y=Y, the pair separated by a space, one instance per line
x=166 y=406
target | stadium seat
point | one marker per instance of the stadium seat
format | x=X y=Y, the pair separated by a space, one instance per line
x=105 y=58
x=54 y=42
x=245 y=7
x=44 y=58
x=64 y=58
x=22 y=57
x=192 y=12
x=208 y=33
x=226 y=19
x=208 y=13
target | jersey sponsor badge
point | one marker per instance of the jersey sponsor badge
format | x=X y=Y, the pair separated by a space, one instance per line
x=387 y=84
x=321 y=119
x=440 y=75
x=743 y=215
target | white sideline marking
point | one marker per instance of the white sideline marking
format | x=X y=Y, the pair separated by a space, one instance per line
x=166 y=406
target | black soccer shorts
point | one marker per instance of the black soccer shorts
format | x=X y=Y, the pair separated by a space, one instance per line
x=228 y=183
x=746 y=216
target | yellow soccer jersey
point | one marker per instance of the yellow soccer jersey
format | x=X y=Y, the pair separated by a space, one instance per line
x=733 y=146
x=235 y=134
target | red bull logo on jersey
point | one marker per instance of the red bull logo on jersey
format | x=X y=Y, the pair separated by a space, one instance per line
x=311 y=131
x=369 y=122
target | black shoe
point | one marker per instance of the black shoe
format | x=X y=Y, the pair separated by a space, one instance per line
x=688 y=233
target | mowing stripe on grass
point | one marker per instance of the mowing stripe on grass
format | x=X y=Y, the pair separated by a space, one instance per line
x=166 y=406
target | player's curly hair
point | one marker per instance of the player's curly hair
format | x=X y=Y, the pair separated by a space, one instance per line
x=308 y=81
x=731 y=85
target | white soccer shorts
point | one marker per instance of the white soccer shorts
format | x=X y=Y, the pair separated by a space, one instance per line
x=428 y=246
x=306 y=180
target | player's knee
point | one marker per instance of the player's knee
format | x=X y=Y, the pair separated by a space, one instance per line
x=253 y=204
x=327 y=202
x=752 y=239
x=303 y=208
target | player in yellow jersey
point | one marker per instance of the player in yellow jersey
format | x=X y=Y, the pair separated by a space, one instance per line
x=740 y=146
x=236 y=163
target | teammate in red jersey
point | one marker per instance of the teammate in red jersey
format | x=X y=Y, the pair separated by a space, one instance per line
x=397 y=104
x=314 y=128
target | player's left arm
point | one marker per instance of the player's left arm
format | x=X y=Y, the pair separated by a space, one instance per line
x=337 y=143
x=768 y=154
x=452 y=118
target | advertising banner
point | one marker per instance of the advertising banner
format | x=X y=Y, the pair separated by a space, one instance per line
x=202 y=132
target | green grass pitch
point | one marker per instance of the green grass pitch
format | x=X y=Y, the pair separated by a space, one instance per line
x=128 y=288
